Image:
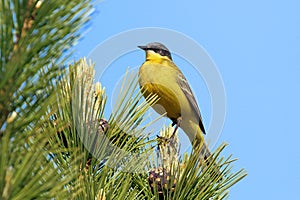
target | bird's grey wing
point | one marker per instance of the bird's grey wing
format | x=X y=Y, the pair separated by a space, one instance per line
x=181 y=80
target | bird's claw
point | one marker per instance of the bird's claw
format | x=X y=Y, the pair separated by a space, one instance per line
x=165 y=140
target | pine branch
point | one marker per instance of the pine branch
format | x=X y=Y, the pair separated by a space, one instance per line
x=34 y=38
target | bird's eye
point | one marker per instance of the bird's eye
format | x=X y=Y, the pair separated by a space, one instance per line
x=162 y=52
x=159 y=51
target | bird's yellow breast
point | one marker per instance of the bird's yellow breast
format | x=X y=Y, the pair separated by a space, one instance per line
x=158 y=76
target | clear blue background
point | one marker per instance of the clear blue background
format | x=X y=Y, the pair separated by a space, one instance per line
x=256 y=46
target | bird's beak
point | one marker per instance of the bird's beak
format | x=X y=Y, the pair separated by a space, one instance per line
x=143 y=47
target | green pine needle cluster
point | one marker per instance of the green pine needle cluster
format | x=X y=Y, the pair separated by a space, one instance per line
x=55 y=142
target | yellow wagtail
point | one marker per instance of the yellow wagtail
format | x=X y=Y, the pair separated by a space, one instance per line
x=159 y=75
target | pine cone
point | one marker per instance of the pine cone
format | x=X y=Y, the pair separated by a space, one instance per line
x=161 y=180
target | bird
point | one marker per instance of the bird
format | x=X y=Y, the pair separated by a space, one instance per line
x=160 y=76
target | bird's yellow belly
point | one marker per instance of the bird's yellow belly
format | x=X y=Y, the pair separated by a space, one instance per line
x=167 y=90
x=167 y=102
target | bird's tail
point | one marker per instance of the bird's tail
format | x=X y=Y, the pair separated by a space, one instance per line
x=199 y=145
x=209 y=161
x=199 y=142
x=204 y=151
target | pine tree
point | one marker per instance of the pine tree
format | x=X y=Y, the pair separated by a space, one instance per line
x=54 y=140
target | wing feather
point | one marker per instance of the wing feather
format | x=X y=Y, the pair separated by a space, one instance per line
x=181 y=80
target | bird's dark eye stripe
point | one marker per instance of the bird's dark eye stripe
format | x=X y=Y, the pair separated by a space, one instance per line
x=161 y=52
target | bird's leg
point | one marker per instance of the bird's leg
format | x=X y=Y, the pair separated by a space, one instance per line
x=170 y=140
x=178 y=123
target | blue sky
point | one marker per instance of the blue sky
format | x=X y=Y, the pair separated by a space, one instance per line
x=256 y=47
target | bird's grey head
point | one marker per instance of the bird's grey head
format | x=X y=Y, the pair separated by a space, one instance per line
x=158 y=48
